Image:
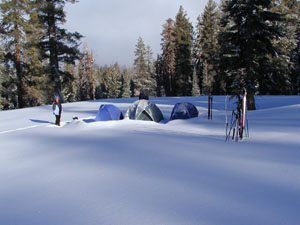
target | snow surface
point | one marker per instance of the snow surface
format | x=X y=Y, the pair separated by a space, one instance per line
x=137 y=172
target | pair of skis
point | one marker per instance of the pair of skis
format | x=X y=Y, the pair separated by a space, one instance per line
x=239 y=119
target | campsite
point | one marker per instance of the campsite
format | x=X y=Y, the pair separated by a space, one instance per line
x=144 y=172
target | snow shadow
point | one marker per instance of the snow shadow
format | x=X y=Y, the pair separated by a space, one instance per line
x=39 y=121
x=88 y=120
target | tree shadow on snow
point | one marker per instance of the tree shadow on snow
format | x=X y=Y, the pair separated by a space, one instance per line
x=39 y=121
x=88 y=120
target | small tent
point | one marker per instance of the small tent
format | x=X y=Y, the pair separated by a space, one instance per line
x=109 y=112
x=144 y=110
x=184 y=110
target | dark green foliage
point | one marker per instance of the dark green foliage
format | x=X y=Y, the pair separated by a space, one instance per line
x=140 y=65
x=167 y=61
x=13 y=25
x=284 y=72
x=32 y=37
x=125 y=88
x=160 y=75
x=183 y=73
x=297 y=58
x=195 y=89
x=57 y=44
x=250 y=30
x=38 y=56
x=144 y=70
x=111 y=82
x=86 y=75
x=114 y=82
x=207 y=48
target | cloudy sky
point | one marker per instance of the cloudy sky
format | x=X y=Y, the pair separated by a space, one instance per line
x=111 y=28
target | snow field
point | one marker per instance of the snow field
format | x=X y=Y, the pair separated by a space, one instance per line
x=138 y=172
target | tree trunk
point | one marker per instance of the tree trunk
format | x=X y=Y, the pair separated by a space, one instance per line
x=251 y=102
x=20 y=83
x=54 y=56
x=18 y=66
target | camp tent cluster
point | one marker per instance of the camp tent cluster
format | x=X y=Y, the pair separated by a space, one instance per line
x=143 y=109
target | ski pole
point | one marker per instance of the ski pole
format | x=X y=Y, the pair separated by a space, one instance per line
x=226 y=120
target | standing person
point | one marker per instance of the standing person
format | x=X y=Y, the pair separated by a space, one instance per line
x=57 y=109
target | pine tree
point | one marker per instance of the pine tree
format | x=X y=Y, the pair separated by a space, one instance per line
x=183 y=55
x=103 y=76
x=207 y=80
x=224 y=48
x=168 y=57
x=195 y=89
x=86 y=75
x=125 y=93
x=13 y=23
x=159 y=71
x=37 y=81
x=114 y=82
x=57 y=44
x=1 y=79
x=70 y=83
x=284 y=76
x=249 y=45
x=297 y=58
x=9 y=88
x=144 y=69
x=150 y=82
x=208 y=48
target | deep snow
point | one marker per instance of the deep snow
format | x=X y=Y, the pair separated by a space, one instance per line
x=137 y=172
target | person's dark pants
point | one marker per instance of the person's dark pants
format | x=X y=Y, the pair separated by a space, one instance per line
x=57 y=122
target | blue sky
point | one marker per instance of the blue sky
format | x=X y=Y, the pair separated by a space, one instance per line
x=112 y=28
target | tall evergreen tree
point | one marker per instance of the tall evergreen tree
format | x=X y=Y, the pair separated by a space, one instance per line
x=144 y=69
x=226 y=79
x=297 y=58
x=168 y=57
x=13 y=23
x=57 y=44
x=114 y=84
x=1 y=78
x=284 y=71
x=183 y=32
x=159 y=71
x=195 y=89
x=71 y=84
x=125 y=93
x=249 y=45
x=208 y=48
x=150 y=83
x=140 y=64
x=104 y=77
x=86 y=75
x=36 y=79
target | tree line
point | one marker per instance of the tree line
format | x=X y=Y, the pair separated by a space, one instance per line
x=235 y=46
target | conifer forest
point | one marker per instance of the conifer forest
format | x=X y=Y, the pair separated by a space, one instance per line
x=236 y=45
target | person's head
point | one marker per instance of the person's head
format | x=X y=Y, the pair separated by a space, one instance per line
x=143 y=96
x=56 y=99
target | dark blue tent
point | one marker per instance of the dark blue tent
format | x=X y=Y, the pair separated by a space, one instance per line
x=184 y=110
x=109 y=112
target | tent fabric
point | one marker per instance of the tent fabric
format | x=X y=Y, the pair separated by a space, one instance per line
x=184 y=110
x=109 y=112
x=144 y=110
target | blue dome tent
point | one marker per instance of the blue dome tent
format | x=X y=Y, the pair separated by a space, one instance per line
x=184 y=110
x=109 y=112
